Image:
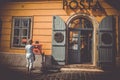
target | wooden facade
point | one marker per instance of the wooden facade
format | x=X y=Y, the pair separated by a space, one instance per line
x=41 y=13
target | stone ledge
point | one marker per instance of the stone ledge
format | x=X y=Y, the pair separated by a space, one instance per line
x=78 y=69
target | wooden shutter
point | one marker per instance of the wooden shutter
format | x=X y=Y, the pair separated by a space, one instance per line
x=106 y=47
x=58 y=40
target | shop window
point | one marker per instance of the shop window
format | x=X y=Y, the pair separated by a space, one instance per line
x=21 y=31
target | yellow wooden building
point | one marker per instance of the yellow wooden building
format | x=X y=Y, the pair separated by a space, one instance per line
x=61 y=27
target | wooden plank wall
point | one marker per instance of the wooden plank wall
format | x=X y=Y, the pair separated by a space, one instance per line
x=42 y=13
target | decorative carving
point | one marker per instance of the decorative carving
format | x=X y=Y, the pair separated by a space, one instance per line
x=106 y=38
x=73 y=4
x=59 y=37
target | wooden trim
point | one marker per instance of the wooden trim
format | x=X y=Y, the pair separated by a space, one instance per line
x=119 y=35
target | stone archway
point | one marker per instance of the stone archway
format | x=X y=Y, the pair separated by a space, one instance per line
x=94 y=33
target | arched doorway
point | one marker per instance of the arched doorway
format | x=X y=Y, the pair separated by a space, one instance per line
x=82 y=36
x=83 y=41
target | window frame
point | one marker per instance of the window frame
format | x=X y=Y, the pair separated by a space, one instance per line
x=20 y=28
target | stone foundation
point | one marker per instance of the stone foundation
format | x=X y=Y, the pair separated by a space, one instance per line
x=18 y=60
x=118 y=61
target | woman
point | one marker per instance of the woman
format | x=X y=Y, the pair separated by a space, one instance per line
x=30 y=57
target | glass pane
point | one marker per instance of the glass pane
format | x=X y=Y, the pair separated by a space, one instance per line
x=16 y=32
x=73 y=40
x=17 y=23
x=16 y=41
x=80 y=23
x=88 y=24
x=24 y=32
x=75 y=24
x=21 y=31
x=25 y=23
x=74 y=36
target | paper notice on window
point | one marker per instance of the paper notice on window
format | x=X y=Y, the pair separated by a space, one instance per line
x=75 y=47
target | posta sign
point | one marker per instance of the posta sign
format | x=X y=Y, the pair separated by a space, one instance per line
x=75 y=4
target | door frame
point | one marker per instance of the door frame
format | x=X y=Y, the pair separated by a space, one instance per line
x=95 y=34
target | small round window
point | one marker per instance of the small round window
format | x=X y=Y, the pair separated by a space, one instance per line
x=59 y=37
x=106 y=38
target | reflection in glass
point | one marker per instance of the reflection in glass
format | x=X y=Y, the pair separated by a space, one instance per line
x=16 y=40
x=16 y=32
x=24 y=32
x=17 y=22
x=24 y=40
x=80 y=23
x=25 y=23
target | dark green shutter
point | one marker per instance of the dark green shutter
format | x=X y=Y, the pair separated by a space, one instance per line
x=58 y=41
x=106 y=46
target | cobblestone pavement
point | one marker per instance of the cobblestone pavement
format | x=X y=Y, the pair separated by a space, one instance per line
x=75 y=75
x=36 y=74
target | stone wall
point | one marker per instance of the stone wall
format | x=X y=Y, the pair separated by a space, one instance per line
x=118 y=61
x=18 y=60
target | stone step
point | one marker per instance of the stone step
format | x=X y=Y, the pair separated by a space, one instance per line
x=81 y=69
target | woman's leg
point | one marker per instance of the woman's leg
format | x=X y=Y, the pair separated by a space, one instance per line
x=31 y=63
x=27 y=60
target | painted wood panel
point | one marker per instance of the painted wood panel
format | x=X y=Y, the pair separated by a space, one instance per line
x=42 y=18
x=5 y=37
x=6 y=31
x=43 y=32
x=5 y=44
x=106 y=5
x=42 y=38
x=33 y=5
x=43 y=25
x=6 y=25
x=47 y=52
x=46 y=45
x=112 y=12
x=42 y=13
x=12 y=51
x=32 y=12
x=6 y=18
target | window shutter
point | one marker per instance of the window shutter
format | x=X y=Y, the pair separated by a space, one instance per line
x=106 y=51
x=58 y=40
